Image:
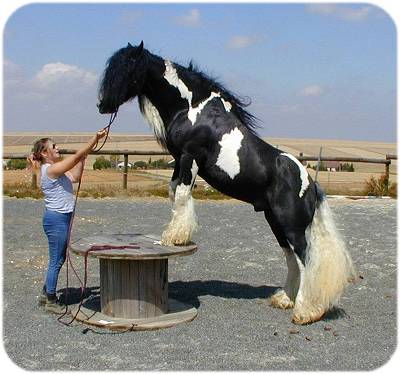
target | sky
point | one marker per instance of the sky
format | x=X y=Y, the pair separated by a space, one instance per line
x=315 y=70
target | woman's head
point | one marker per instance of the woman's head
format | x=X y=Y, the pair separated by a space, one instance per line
x=45 y=150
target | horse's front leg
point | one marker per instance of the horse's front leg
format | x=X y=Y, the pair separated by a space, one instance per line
x=183 y=222
x=174 y=181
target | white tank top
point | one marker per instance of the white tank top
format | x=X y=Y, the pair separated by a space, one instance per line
x=58 y=193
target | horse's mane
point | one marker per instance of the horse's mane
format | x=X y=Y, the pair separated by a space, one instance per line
x=238 y=103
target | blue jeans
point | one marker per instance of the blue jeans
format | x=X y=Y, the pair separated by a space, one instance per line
x=56 y=227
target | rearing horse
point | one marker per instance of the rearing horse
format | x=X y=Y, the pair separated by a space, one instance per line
x=209 y=133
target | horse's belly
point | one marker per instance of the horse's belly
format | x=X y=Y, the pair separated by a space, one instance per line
x=241 y=188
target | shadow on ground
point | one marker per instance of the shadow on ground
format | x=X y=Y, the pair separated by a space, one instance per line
x=189 y=292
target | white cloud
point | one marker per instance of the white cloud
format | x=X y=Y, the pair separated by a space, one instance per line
x=190 y=19
x=13 y=73
x=58 y=95
x=242 y=41
x=58 y=74
x=313 y=90
x=10 y=67
x=341 y=11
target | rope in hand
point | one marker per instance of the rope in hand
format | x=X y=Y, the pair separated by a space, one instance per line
x=68 y=254
x=112 y=118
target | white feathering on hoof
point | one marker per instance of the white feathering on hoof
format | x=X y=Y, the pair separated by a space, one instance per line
x=327 y=271
x=285 y=298
x=182 y=225
x=184 y=221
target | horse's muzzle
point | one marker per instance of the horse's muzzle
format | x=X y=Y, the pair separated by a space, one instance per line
x=103 y=109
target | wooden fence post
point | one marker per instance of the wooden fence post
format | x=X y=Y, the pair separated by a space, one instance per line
x=318 y=164
x=387 y=170
x=125 y=175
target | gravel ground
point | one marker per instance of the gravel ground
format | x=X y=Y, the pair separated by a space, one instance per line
x=229 y=279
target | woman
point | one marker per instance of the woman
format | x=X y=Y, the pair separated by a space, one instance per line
x=56 y=178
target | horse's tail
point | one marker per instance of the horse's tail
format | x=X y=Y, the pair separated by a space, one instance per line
x=328 y=266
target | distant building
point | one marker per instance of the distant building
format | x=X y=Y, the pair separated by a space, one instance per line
x=121 y=165
x=332 y=165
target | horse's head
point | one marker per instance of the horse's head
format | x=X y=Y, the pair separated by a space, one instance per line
x=123 y=78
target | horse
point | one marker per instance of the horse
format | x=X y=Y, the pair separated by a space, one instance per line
x=209 y=132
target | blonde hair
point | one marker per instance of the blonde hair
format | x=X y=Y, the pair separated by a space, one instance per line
x=38 y=147
x=36 y=158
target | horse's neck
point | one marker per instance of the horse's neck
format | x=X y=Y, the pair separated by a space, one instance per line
x=167 y=90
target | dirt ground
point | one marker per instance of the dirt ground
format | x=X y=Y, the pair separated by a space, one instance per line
x=229 y=280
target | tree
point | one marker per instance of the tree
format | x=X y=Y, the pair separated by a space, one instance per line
x=101 y=163
x=16 y=164
x=140 y=165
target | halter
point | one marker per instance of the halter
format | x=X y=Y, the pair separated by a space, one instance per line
x=68 y=256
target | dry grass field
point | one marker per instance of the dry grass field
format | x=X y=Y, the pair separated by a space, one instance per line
x=333 y=182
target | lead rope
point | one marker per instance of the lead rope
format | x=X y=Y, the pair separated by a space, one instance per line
x=68 y=254
x=112 y=118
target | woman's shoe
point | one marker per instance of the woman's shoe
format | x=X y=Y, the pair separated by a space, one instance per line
x=53 y=305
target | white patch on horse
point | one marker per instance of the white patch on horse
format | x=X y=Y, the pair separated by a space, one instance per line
x=194 y=112
x=227 y=105
x=174 y=183
x=152 y=115
x=228 y=158
x=300 y=296
x=194 y=170
x=171 y=75
x=303 y=173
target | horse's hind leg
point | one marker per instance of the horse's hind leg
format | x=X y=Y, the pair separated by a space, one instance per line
x=307 y=309
x=285 y=298
x=326 y=267
x=183 y=222
x=300 y=283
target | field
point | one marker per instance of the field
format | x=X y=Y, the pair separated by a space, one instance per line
x=334 y=182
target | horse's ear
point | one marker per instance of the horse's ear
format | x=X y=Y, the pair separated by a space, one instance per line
x=140 y=49
x=129 y=45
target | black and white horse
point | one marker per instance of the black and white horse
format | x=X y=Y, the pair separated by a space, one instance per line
x=209 y=133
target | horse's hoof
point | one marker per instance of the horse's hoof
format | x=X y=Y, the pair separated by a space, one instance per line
x=169 y=240
x=281 y=300
x=306 y=317
x=172 y=243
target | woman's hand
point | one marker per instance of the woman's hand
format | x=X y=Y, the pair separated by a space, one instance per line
x=101 y=133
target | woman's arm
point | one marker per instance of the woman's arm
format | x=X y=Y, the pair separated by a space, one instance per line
x=59 y=168
x=75 y=173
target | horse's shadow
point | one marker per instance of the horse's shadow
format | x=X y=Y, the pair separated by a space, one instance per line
x=189 y=292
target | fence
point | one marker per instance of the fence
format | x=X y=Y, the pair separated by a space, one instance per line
x=386 y=161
